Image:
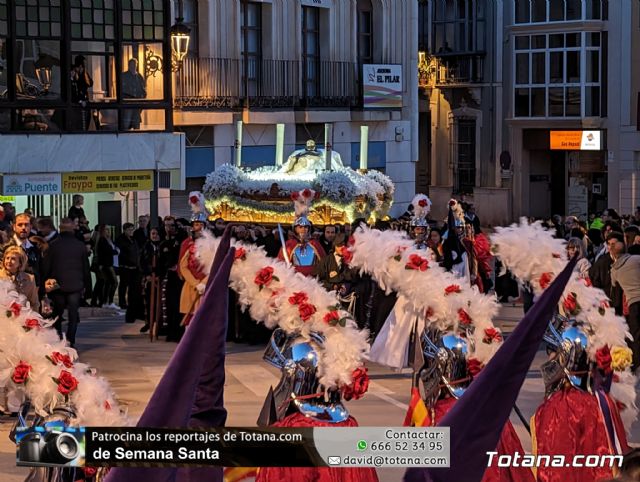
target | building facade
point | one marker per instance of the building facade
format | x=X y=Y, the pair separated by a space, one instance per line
x=299 y=63
x=550 y=88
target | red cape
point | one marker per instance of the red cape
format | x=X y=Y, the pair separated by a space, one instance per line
x=305 y=270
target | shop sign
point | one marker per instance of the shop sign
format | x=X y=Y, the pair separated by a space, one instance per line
x=31 y=184
x=382 y=86
x=575 y=140
x=7 y=199
x=107 y=181
x=317 y=3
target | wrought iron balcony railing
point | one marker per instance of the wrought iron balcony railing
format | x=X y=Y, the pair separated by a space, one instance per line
x=459 y=69
x=229 y=83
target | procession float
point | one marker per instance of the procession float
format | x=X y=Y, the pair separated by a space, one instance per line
x=267 y=195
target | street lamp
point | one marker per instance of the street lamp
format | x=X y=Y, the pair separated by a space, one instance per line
x=180 y=36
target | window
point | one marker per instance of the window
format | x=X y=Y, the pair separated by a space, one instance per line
x=190 y=12
x=458 y=26
x=251 y=45
x=465 y=156
x=423 y=25
x=539 y=11
x=365 y=29
x=549 y=80
x=311 y=50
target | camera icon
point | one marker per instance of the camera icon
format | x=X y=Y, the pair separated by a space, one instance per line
x=48 y=448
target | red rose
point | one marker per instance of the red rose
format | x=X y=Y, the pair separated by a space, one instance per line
x=587 y=282
x=491 y=335
x=306 y=311
x=295 y=196
x=193 y=199
x=107 y=405
x=428 y=313
x=452 y=202
x=474 y=366
x=306 y=193
x=417 y=262
x=67 y=383
x=545 y=280
x=452 y=289
x=31 y=323
x=264 y=277
x=570 y=303
x=346 y=254
x=89 y=472
x=298 y=298
x=464 y=317
x=332 y=318
x=57 y=357
x=358 y=386
x=422 y=203
x=21 y=372
x=240 y=253
x=603 y=359
x=351 y=241
x=15 y=308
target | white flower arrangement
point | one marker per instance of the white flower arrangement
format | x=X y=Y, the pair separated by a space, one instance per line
x=339 y=189
x=345 y=345
x=533 y=255
x=32 y=363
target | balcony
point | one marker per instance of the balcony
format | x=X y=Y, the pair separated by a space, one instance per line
x=230 y=84
x=455 y=69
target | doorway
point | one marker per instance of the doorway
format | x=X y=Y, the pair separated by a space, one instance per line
x=110 y=213
x=547 y=183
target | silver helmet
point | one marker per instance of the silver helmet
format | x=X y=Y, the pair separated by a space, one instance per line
x=569 y=342
x=298 y=357
x=418 y=222
x=445 y=364
x=302 y=221
x=199 y=217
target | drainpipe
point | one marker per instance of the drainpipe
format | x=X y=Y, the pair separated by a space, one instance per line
x=413 y=75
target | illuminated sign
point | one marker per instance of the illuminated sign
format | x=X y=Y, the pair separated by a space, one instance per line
x=107 y=181
x=575 y=141
x=30 y=184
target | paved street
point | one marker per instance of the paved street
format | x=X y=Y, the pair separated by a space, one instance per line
x=133 y=366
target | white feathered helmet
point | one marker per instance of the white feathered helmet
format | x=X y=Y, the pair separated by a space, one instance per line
x=198 y=209
x=302 y=204
x=421 y=208
x=458 y=213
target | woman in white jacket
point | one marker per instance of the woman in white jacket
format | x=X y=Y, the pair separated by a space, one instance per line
x=577 y=245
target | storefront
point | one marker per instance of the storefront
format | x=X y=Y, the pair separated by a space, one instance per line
x=567 y=171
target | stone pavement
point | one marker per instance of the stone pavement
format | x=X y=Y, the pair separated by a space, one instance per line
x=134 y=366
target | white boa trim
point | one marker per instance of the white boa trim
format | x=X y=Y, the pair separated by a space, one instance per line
x=344 y=347
x=93 y=400
x=374 y=252
x=529 y=251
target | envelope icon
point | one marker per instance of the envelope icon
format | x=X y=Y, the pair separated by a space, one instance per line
x=334 y=460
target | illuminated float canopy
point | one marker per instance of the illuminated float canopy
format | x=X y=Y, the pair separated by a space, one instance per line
x=264 y=195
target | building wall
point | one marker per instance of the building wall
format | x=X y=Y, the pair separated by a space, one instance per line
x=394 y=25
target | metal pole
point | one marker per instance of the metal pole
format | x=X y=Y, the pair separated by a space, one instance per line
x=238 y=144
x=279 y=145
x=364 y=147
x=153 y=201
x=328 y=136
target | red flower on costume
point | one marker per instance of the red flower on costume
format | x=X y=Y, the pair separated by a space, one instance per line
x=298 y=298
x=417 y=263
x=452 y=289
x=587 y=282
x=21 y=373
x=240 y=253
x=491 y=335
x=57 y=357
x=332 y=318
x=346 y=254
x=107 y=405
x=603 y=359
x=30 y=324
x=14 y=309
x=358 y=386
x=604 y=304
x=89 y=472
x=422 y=203
x=306 y=311
x=67 y=383
x=464 y=317
x=306 y=193
x=264 y=277
x=429 y=312
x=474 y=366
x=295 y=196
x=193 y=199
x=545 y=280
x=351 y=241
x=452 y=203
x=570 y=304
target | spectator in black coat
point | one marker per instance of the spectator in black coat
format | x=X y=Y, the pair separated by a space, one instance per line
x=141 y=235
x=76 y=210
x=21 y=233
x=130 y=287
x=106 y=250
x=66 y=263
